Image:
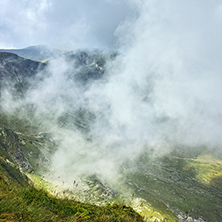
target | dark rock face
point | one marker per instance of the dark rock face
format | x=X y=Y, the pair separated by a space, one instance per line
x=16 y=72
x=88 y=66
x=12 y=66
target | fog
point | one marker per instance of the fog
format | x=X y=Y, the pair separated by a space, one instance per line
x=162 y=91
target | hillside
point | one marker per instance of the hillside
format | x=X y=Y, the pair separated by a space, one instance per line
x=40 y=122
x=21 y=201
x=24 y=150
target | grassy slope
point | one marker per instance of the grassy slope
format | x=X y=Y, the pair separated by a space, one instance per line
x=186 y=186
x=21 y=201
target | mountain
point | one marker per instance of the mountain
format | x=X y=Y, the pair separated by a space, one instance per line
x=37 y=53
x=182 y=185
x=16 y=72
x=25 y=152
x=19 y=72
x=24 y=156
x=20 y=200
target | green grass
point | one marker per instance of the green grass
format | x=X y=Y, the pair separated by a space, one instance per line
x=208 y=170
x=30 y=204
x=185 y=182
x=21 y=201
x=182 y=185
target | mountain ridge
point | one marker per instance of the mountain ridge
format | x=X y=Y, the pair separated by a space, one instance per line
x=37 y=52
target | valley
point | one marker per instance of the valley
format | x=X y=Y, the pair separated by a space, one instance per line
x=52 y=162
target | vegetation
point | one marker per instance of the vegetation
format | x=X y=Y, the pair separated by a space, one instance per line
x=29 y=204
x=189 y=187
x=184 y=183
x=21 y=201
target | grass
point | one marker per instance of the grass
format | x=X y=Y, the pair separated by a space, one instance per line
x=185 y=182
x=30 y=204
x=21 y=201
x=208 y=170
x=151 y=213
x=179 y=185
x=123 y=198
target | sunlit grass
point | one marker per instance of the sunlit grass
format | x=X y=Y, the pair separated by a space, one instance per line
x=208 y=169
x=150 y=213
x=29 y=204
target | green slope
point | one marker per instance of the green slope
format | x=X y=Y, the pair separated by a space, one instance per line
x=20 y=200
x=189 y=187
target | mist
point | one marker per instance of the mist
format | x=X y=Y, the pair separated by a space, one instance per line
x=162 y=91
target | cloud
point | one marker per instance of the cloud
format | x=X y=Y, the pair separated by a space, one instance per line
x=21 y=21
x=162 y=91
x=171 y=64
x=66 y=24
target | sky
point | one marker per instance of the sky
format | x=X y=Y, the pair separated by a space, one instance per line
x=64 y=24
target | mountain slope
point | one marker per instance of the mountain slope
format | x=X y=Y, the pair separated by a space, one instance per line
x=21 y=201
x=184 y=184
x=16 y=72
x=25 y=148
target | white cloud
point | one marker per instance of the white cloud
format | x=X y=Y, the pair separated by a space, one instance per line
x=22 y=21
x=61 y=23
x=164 y=89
